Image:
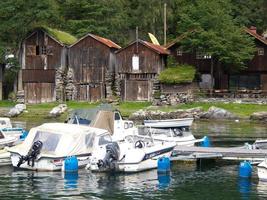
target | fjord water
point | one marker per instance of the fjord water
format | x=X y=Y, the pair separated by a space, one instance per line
x=217 y=180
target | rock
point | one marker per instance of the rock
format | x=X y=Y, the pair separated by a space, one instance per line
x=21 y=107
x=58 y=110
x=217 y=113
x=14 y=112
x=17 y=110
x=259 y=116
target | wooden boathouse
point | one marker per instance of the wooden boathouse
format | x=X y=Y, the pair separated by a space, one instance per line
x=253 y=78
x=43 y=52
x=92 y=60
x=138 y=64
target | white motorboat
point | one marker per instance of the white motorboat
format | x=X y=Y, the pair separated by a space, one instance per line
x=169 y=123
x=133 y=154
x=181 y=136
x=7 y=140
x=6 y=127
x=262 y=170
x=46 y=146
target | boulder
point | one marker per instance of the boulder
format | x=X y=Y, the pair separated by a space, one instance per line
x=259 y=116
x=217 y=113
x=16 y=110
x=13 y=112
x=21 y=107
x=58 y=110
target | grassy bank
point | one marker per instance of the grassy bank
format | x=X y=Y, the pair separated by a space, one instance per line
x=39 y=112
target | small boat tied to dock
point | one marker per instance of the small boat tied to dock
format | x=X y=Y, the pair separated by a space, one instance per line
x=225 y=153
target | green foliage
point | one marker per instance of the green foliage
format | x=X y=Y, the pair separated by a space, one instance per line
x=216 y=33
x=178 y=74
x=61 y=36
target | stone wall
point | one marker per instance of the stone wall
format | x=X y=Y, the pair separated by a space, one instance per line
x=173 y=94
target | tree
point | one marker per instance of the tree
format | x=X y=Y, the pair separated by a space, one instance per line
x=216 y=34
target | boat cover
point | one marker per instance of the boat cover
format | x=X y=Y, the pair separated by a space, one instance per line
x=104 y=120
x=60 y=140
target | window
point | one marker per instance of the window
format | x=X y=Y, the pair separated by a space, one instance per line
x=179 y=52
x=49 y=140
x=202 y=55
x=261 y=51
x=89 y=140
x=135 y=63
x=31 y=50
x=117 y=116
x=43 y=50
x=105 y=139
x=239 y=82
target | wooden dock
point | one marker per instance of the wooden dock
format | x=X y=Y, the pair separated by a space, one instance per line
x=232 y=153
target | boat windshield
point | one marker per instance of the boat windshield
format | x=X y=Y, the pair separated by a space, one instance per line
x=1 y=135
x=104 y=139
x=49 y=140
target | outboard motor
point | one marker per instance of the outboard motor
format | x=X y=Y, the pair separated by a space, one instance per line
x=111 y=157
x=32 y=154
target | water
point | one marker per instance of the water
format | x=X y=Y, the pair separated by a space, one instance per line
x=217 y=180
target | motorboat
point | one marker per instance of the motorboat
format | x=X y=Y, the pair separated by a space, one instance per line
x=181 y=136
x=133 y=154
x=7 y=128
x=7 y=140
x=46 y=146
x=260 y=144
x=169 y=123
x=104 y=117
x=262 y=170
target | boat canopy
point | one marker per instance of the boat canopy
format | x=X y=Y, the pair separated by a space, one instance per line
x=60 y=140
x=104 y=120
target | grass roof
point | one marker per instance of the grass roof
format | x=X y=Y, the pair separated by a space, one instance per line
x=178 y=74
x=61 y=36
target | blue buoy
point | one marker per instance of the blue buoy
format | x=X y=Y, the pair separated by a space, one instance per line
x=23 y=136
x=71 y=164
x=205 y=142
x=245 y=169
x=164 y=165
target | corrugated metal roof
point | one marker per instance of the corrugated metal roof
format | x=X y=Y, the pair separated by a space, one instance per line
x=104 y=41
x=255 y=35
x=159 y=49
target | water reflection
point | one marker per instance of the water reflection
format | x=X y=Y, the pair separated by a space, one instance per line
x=71 y=179
x=244 y=185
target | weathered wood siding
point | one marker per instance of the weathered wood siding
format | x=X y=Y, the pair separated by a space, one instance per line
x=40 y=57
x=149 y=61
x=137 y=85
x=90 y=59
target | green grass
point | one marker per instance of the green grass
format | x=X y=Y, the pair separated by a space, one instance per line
x=127 y=108
x=178 y=74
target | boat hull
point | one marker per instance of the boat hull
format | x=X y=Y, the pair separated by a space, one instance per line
x=46 y=164
x=169 y=123
x=262 y=171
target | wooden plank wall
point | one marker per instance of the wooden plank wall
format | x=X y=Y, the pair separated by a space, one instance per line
x=39 y=92
x=149 y=61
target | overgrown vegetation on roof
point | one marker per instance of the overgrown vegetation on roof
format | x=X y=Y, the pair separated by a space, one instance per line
x=61 y=36
x=178 y=74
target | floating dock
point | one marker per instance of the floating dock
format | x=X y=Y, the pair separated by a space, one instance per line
x=232 y=153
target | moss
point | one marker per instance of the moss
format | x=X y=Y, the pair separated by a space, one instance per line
x=178 y=74
x=61 y=36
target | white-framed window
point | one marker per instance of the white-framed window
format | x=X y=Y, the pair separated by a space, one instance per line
x=135 y=63
x=179 y=52
x=261 y=51
x=202 y=55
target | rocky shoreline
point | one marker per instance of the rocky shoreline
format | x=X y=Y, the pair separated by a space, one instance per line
x=213 y=113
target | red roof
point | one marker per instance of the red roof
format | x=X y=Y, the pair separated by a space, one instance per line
x=159 y=49
x=104 y=41
x=255 y=35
